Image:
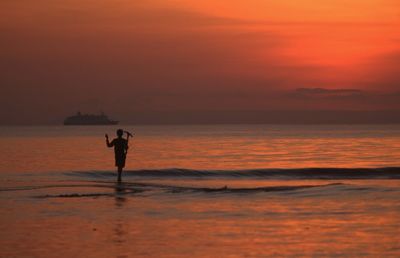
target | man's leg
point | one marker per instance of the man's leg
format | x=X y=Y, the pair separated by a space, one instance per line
x=119 y=173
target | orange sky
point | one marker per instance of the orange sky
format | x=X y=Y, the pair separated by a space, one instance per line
x=131 y=56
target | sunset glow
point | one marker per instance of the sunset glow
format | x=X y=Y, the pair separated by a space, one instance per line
x=134 y=56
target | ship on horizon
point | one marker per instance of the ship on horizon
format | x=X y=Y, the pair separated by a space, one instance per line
x=89 y=119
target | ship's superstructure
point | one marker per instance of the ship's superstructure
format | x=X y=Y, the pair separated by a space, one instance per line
x=89 y=119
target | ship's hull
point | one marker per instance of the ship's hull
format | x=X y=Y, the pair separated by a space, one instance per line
x=91 y=123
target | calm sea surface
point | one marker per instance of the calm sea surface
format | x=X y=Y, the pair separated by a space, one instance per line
x=201 y=191
x=55 y=149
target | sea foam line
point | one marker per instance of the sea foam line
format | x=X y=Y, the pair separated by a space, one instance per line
x=296 y=173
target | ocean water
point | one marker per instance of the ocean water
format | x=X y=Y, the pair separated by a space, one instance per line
x=202 y=191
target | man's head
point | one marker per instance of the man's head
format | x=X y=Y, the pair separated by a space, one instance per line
x=120 y=132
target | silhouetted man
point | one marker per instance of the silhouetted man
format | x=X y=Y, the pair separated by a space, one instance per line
x=120 y=149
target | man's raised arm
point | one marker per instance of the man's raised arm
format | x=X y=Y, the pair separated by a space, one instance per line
x=108 y=142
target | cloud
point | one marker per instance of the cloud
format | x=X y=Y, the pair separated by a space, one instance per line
x=322 y=92
x=342 y=99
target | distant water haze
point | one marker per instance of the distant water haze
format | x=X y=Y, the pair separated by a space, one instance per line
x=221 y=117
x=288 y=117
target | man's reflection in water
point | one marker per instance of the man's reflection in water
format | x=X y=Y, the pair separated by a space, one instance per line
x=120 y=192
x=120 y=200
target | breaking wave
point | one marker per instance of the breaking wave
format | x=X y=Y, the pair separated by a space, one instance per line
x=301 y=173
